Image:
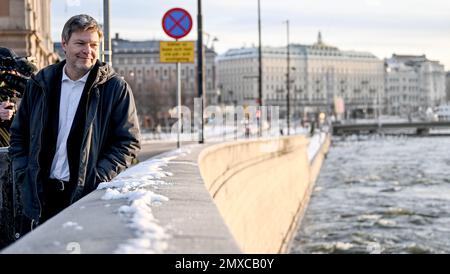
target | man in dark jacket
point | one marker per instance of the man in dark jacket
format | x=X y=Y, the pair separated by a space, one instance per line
x=76 y=127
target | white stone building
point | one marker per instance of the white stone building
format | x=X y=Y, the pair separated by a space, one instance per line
x=413 y=83
x=319 y=74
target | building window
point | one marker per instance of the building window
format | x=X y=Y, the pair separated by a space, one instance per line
x=4 y=7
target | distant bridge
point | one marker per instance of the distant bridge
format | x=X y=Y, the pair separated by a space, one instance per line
x=421 y=128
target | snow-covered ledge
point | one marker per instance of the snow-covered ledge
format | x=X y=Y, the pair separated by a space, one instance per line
x=158 y=206
x=163 y=205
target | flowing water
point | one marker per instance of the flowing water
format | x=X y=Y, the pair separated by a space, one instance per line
x=380 y=194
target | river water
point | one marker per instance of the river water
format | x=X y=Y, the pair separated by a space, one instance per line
x=380 y=194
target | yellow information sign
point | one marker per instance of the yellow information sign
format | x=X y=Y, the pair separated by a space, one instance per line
x=176 y=52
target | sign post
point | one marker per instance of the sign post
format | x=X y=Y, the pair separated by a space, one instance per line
x=177 y=23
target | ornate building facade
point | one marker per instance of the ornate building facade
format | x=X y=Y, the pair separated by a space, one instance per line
x=25 y=28
x=319 y=75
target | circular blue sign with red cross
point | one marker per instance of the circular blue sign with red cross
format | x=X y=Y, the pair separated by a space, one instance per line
x=177 y=23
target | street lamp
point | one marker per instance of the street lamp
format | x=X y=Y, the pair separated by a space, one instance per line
x=200 y=68
x=260 y=102
x=260 y=97
x=215 y=39
x=107 y=53
x=288 y=103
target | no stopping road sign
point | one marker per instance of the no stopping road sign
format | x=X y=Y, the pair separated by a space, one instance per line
x=177 y=23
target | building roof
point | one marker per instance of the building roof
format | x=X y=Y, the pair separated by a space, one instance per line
x=317 y=49
x=409 y=58
x=126 y=46
x=320 y=45
x=410 y=62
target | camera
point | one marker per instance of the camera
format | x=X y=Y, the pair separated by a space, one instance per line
x=14 y=73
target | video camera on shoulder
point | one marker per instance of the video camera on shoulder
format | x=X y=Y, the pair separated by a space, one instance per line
x=14 y=73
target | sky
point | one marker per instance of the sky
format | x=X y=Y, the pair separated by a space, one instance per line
x=382 y=27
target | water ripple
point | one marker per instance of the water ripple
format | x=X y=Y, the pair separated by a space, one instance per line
x=380 y=195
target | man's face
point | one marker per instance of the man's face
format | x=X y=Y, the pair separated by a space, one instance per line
x=82 y=50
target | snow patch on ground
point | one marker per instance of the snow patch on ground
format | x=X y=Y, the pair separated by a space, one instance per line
x=72 y=224
x=133 y=185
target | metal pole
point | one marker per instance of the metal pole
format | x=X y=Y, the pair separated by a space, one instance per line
x=288 y=82
x=107 y=39
x=179 y=103
x=260 y=97
x=200 y=69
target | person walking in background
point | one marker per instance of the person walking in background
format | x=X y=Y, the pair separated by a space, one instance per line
x=76 y=127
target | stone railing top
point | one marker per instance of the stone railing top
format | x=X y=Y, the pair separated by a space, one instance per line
x=158 y=206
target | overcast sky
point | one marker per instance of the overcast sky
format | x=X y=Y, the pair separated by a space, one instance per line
x=382 y=27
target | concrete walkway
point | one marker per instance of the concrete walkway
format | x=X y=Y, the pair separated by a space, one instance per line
x=93 y=225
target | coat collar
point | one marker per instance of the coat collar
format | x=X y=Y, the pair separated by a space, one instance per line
x=47 y=76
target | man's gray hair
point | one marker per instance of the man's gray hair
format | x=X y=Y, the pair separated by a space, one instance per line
x=81 y=22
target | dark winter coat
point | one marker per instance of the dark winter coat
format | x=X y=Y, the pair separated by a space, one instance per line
x=109 y=140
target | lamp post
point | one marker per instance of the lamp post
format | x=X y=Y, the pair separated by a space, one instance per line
x=200 y=68
x=210 y=45
x=260 y=97
x=107 y=53
x=288 y=103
